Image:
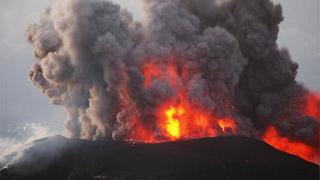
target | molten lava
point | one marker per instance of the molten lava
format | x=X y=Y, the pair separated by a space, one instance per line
x=299 y=149
x=312 y=108
x=182 y=120
x=179 y=117
x=173 y=121
x=227 y=124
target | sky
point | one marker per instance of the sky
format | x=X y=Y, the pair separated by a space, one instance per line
x=24 y=111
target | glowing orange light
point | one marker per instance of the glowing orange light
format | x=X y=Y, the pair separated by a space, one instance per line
x=299 y=149
x=227 y=123
x=173 y=124
x=142 y=133
x=178 y=117
x=150 y=71
x=312 y=108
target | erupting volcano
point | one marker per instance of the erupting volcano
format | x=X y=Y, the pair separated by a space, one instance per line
x=300 y=149
x=179 y=117
x=192 y=69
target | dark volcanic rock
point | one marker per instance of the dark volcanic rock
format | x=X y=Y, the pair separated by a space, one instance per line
x=58 y=158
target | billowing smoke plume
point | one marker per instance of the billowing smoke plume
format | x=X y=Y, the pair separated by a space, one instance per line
x=221 y=55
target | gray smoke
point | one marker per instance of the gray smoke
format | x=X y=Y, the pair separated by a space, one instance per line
x=91 y=55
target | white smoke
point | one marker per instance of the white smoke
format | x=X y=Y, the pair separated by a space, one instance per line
x=10 y=145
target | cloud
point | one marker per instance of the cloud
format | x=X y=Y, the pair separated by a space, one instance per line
x=10 y=145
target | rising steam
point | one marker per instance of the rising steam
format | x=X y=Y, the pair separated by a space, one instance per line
x=212 y=58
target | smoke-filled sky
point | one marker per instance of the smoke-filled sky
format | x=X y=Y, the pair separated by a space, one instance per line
x=24 y=110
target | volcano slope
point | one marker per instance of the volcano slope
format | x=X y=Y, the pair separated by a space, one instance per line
x=58 y=158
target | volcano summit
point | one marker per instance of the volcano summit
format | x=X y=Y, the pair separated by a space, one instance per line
x=192 y=69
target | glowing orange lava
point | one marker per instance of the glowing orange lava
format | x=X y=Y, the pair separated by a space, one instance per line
x=158 y=71
x=299 y=149
x=179 y=117
x=227 y=124
x=312 y=108
x=173 y=121
x=150 y=71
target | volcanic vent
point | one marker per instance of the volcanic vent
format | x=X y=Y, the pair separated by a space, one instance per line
x=192 y=69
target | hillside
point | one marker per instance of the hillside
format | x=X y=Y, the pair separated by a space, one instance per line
x=58 y=158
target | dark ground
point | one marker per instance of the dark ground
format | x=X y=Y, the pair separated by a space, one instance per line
x=232 y=158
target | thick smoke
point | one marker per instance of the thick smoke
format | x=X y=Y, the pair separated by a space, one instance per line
x=91 y=55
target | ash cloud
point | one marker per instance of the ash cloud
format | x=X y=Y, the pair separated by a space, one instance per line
x=91 y=55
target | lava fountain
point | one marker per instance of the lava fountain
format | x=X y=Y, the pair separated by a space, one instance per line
x=178 y=117
x=285 y=144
